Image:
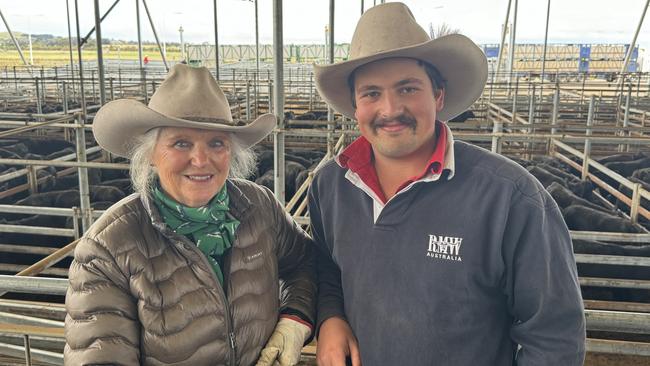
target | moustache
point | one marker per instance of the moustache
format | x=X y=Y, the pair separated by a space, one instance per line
x=402 y=118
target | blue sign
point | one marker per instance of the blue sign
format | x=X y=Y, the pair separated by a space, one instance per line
x=491 y=51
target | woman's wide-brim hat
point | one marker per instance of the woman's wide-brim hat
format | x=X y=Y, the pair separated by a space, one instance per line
x=189 y=97
x=390 y=30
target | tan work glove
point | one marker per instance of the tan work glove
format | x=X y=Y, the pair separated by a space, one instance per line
x=285 y=344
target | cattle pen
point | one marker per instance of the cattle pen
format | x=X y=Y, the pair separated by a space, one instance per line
x=584 y=135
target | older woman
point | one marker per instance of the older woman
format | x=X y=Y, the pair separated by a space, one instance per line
x=197 y=267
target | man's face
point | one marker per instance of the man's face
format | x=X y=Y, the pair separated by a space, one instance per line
x=396 y=107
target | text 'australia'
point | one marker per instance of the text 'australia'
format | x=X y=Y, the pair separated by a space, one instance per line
x=444 y=247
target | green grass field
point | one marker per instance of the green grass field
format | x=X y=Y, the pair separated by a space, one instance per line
x=51 y=58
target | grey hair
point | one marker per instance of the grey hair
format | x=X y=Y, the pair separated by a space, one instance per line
x=143 y=173
x=142 y=170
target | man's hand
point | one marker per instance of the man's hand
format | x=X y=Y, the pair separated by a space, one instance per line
x=285 y=344
x=335 y=343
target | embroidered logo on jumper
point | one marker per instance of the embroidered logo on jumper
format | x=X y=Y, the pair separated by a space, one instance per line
x=444 y=247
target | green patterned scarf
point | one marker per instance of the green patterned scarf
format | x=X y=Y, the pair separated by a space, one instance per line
x=207 y=226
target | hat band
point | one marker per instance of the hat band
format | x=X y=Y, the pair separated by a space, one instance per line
x=208 y=119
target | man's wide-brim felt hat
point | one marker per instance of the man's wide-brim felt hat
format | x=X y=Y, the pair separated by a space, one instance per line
x=390 y=30
x=189 y=97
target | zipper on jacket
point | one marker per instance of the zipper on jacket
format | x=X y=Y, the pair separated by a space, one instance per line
x=232 y=340
x=229 y=322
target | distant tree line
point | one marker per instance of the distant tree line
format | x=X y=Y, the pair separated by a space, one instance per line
x=51 y=42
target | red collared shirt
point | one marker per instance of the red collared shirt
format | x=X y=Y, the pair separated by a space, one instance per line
x=358 y=158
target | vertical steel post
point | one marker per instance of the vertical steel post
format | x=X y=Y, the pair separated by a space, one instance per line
x=84 y=191
x=548 y=13
x=257 y=59
x=28 y=351
x=636 y=200
x=137 y=18
x=362 y=7
x=66 y=131
x=39 y=106
x=531 y=122
x=331 y=124
x=515 y=98
x=503 y=39
x=311 y=91
x=248 y=100
x=155 y=34
x=497 y=128
x=556 y=109
x=278 y=75
x=100 y=55
x=513 y=31
x=626 y=120
x=32 y=179
x=67 y=9
x=590 y=123
x=216 y=43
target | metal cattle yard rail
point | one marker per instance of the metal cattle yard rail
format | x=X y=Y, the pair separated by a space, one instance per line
x=573 y=123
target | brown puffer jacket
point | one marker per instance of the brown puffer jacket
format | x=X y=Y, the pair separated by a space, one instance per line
x=141 y=294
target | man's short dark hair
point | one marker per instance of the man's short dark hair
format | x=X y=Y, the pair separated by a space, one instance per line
x=437 y=81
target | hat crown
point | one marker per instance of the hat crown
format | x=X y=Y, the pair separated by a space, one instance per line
x=191 y=93
x=386 y=27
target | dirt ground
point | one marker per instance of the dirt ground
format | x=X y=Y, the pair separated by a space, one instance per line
x=602 y=359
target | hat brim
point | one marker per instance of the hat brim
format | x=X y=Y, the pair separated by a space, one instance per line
x=118 y=124
x=460 y=62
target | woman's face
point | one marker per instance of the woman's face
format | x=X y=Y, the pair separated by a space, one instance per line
x=192 y=164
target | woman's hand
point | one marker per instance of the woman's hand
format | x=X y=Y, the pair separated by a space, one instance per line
x=335 y=343
x=285 y=344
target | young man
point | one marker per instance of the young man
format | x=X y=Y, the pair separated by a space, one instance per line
x=435 y=252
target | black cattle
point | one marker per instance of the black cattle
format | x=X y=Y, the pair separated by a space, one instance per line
x=583 y=218
x=19 y=149
x=627 y=168
x=289 y=115
x=565 y=198
x=549 y=160
x=545 y=177
x=264 y=162
x=8 y=154
x=559 y=172
x=47 y=147
x=620 y=158
x=311 y=155
x=112 y=174
x=60 y=153
x=291 y=171
x=308 y=116
x=37 y=220
x=71 y=181
x=101 y=193
x=266 y=179
x=580 y=188
x=123 y=185
x=642 y=175
x=523 y=162
x=463 y=116
x=8 y=142
x=613 y=271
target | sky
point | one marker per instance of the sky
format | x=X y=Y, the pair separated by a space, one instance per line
x=571 y=21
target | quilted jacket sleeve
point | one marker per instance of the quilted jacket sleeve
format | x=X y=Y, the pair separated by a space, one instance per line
x=295 y=264
x=101 y=327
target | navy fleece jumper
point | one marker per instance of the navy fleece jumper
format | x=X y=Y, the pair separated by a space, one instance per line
x=453 y=272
